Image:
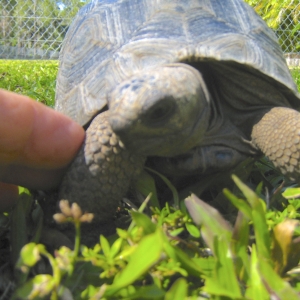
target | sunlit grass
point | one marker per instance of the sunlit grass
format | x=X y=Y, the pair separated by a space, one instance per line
x=34 y=78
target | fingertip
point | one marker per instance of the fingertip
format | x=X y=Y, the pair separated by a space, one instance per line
x=75 y=132
x=59 y=139
x=54 y=139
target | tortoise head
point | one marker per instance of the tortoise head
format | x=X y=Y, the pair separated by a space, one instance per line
x=163 y=111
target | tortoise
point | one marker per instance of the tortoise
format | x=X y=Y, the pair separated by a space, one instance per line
x=195 y=87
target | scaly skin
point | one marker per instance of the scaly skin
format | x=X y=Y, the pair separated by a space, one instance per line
x=101 y=173
x=277 y=135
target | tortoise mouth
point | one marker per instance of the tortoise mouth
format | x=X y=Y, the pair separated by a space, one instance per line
x=200 y=160
x=167 y=141
x=161 y=145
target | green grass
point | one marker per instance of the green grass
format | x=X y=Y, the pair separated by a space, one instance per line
x=163 y=254
x=35 y=79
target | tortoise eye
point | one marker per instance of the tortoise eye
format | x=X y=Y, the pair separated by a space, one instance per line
x=160 y=112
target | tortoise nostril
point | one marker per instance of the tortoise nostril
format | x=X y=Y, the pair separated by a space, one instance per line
x=118 y=124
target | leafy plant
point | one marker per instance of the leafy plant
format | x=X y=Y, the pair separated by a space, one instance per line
x=165 y=256
x=238 y=273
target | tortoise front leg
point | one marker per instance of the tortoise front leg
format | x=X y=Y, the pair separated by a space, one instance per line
x=101 y=173
x=277 y=135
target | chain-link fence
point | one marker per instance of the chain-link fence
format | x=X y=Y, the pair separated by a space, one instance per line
x=34 y=29
x=283 y=17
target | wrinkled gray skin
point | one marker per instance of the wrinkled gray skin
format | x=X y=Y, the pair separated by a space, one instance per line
x=193 y=86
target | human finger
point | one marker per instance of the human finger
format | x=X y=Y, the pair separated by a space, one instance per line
x=35 y=135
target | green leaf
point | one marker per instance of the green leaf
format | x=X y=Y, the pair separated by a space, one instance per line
x=176 y=231
x=291 y=193
x=19 y=225
x=38 y=219
x=205 y=264
x=145 y=184
x=105 y=246
x=212 y=287
x=23 y=291
x=147 y=253
x=224 y=282
x=258 y=217
x=193 y=230
x=116 y=247
x=239 y=246
x=141 y=220
x=217 y=233
x=240 y=204
x=178 y=290
x=169 y=185
x=23 y=190
x=255 y=289
x=191 y=265
x=123 y=234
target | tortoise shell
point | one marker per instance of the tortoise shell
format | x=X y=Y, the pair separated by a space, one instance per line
x=111 y=40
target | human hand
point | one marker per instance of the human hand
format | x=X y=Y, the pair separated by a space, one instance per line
x=36 y=145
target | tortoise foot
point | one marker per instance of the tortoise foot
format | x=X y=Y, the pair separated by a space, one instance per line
x=101 y=173
x=277 y=135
